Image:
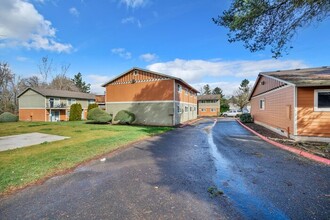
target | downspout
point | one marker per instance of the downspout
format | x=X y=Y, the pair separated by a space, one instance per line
x=295 y=112
x=174 y=110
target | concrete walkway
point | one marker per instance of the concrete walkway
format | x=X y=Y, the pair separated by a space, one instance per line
x=25 y=140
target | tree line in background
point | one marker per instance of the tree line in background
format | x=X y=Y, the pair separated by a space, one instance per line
x=11 y=84
x=239 y=98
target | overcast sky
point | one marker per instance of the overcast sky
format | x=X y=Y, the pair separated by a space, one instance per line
x=104 y=38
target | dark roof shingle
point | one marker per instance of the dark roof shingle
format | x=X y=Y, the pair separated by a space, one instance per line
x=208 y=97
x=60 y=93
x=303 y=77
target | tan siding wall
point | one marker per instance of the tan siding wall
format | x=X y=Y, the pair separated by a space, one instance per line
x=310 y=122
x=143 y=91
x=31 y=99
x=84 y=103
x=278 y=112
x=146 y=113
x=269 y=84
x=185 y=116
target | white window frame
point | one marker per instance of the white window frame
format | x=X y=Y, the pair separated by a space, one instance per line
x=57 y=102
x=72 y=101
x=316 y=100
x=262 y=106
x=186 y=109
x=203 y=109
x=186 y=92
x=178 y=109
x=179 y=88
x=213 y=110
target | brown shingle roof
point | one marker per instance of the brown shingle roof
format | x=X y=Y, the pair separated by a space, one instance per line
x=208 y=97
x=303 y=77
x=60 y=93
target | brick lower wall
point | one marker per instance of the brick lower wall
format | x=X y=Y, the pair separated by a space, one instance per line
x=208 y=112
x=32 y=114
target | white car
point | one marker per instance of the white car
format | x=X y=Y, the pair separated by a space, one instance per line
x=232 y=113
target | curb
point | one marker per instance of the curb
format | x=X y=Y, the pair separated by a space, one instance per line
x=287 y=148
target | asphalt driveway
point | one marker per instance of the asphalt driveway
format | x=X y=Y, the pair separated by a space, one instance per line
x=167 y=177
x=265 y=182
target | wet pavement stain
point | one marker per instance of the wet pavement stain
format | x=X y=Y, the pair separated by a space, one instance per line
x=235 y=188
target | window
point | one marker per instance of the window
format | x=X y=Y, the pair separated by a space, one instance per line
x=322 y=100
x=262 y=104
x=186 y=109
x=135 y=73
x=91 y=101
x=71 y=101
x=213 y=110
x=178 y=108
x=186 y=91
x=179 y=88
x=203 y=109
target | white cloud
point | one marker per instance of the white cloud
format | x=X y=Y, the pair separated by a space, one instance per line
x=131 y=20
x=195 y=70
x=22 y=25
x=74 y=12
x=96 y=82
x=134 y=3
x=148 y=57
x=122 y=53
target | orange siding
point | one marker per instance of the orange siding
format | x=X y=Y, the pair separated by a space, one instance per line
x=32 y=114
x=266 y=84
x=278 y=112
x=183 y=96
x=208 y=112
x=63 y=115
x=99 y=98
x=140 y=91
x=140 y=76
x=310 y=122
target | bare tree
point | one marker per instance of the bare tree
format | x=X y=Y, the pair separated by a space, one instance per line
x=62 y=82
x=46 y=68
x=8 y=89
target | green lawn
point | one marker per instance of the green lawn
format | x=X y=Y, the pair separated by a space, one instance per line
x=23 y=166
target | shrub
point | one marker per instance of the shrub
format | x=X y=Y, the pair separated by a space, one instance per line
x=75 y=112
x=125 y=117
x=246 y=118
x=91 y=106
x=97 y=115
x=8 y=117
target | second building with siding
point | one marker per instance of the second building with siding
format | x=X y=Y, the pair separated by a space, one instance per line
x=155 y=98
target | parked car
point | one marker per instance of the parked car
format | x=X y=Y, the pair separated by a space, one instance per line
x=232 y=113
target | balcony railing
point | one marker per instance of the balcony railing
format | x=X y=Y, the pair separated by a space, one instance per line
x=55 y=105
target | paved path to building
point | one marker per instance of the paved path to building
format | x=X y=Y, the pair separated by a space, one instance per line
x=265 y=182
x=25 y=140
x=167 y=177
